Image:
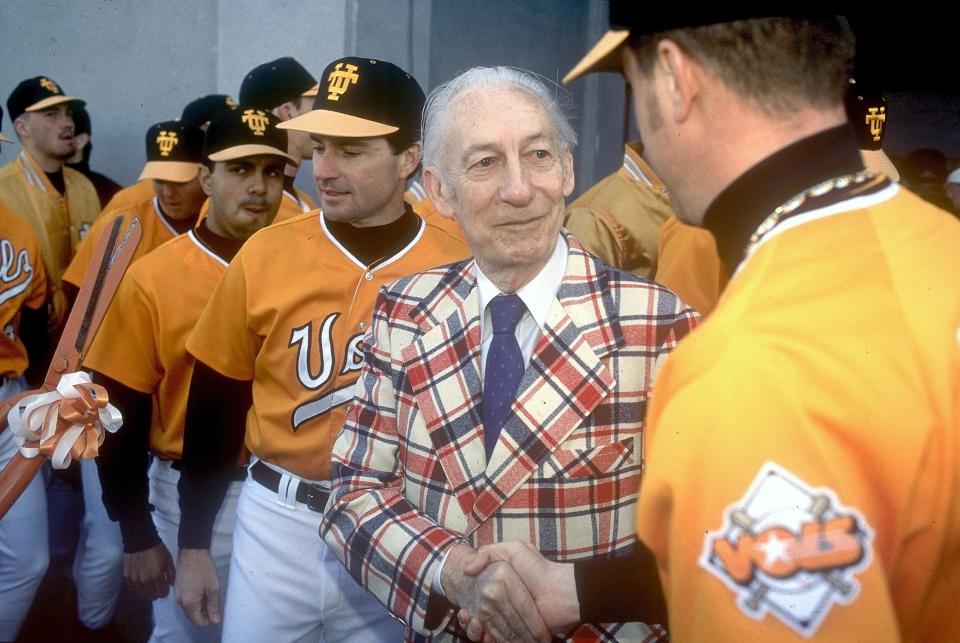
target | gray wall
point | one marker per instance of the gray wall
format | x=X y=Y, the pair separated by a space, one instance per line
x=137 y=62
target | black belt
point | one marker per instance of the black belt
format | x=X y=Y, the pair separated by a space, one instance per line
x=314 y=496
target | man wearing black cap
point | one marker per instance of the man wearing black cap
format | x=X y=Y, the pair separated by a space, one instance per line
x=286 y=89
x=80 y=161
x=140 y=353
x=803 y=470
x=284 y=329
x=57 y=202
x=199 y=112
x=174 y=155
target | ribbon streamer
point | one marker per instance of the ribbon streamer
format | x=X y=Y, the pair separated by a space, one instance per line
x=64 y=424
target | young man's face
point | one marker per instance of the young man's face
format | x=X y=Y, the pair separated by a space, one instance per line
x=49 y=132
x=361 y=180
x=178 y=200
x=244 y=194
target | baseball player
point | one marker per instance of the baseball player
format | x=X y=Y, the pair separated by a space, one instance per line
x=140 y=354
x=283 y=328
x=24 y=553
x=803 y=466
x=80 y=161
x=174 y=155
x=57 y=202
x=286 y=89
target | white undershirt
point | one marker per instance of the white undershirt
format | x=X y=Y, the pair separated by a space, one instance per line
x=537 y=294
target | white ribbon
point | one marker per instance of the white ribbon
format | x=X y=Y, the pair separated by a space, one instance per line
x=52 y=423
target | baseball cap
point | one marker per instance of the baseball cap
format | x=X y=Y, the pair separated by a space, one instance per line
x=276 y=82
x=867 y=113
x=201 y=110
x=631 y=17
x=81 y=121
x=174 y=152
x=3 y=139
x=244 y=131
x=36 y=94
x=362 y=97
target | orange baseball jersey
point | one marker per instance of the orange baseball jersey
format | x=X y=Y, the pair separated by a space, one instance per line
x=156 y=231
x=417 y=197
x=142 y=339
x=688 y=264
x=289 y=314
x=59 y=221
x=803 y=463
x=23 y=282
x=131 y=195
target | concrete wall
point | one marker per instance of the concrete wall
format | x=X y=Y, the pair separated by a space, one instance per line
x=137 y=62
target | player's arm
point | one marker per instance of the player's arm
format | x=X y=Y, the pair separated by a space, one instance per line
x=33 y=334
x=213 y=435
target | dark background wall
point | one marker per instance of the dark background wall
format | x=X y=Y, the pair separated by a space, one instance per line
x=137 y=62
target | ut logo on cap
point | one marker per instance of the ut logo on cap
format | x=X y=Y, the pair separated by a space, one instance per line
x=166 y=141
x=256 y=120
x=341 y=79
x=876 y=116
x=789 y=550
x=49 y=85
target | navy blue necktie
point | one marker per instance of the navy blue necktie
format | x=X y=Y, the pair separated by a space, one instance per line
x=504 y=367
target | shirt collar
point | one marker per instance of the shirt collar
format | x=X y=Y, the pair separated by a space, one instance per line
x=538 y=293
x=742 y=206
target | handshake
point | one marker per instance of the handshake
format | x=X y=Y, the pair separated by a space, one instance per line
x=509 y=592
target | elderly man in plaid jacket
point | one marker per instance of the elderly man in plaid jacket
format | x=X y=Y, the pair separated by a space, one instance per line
x=502 y=398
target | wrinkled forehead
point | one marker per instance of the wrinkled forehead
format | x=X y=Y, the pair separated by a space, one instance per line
x=497 y=114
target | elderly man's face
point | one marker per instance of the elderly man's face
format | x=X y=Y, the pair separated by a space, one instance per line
x=506 y=178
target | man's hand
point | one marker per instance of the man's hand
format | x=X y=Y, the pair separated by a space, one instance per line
x=149 y=573
x=552 y=585
x=495 y=596
x=198 y=588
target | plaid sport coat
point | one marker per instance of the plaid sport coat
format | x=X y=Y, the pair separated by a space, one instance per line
x=410 y=474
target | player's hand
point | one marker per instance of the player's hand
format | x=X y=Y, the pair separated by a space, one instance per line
x=198 y=588
x=494 y=596
x=149 y=573
x=552 y=585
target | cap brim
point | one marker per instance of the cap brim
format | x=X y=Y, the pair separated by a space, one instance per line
x=176 y=171
x=329 y=123
x=241 y=151
x=313 y=91
x=53 y=101
x=5 y=139
x=605 y=56
x=879 y=162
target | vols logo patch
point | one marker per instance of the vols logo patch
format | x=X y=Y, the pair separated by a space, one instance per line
x=256 y=120
x=166 y=141
x=789 y=549
x=340 y=79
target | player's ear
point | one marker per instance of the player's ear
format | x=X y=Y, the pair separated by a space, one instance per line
x=409 y=160
x=205 y=179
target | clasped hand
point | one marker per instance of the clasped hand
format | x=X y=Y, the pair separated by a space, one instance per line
x=510 y=592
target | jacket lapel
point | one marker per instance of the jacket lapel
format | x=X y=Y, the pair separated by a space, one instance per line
x=563 y=384
x=442 y=367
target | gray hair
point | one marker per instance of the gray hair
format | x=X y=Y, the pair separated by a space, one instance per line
x=437 y=108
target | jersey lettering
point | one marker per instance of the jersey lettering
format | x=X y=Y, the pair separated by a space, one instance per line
x=13 y=265
x=301 y=336
x=314 y=379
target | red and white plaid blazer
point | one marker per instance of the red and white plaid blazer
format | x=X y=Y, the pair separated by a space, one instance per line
x=410 y=474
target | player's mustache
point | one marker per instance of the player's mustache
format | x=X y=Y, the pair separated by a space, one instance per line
x=256 y=203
